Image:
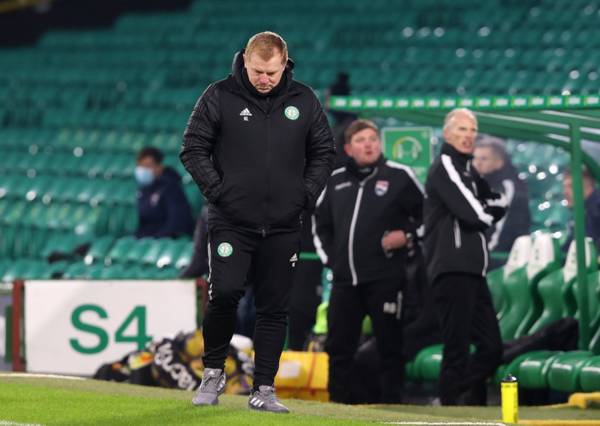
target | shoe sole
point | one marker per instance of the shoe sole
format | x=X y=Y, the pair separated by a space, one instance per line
x=264 y=410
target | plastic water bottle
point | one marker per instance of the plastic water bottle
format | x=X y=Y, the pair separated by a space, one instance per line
x=509 y=389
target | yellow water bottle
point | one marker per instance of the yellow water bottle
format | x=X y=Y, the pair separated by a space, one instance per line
x=509 y=389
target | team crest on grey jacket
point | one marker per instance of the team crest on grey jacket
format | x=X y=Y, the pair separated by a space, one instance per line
x=381 y=187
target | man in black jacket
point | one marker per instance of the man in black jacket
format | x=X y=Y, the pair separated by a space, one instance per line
x=365 y=222
x=163 y=209
x=260 y=149
x=459 y=208
x=493 y=164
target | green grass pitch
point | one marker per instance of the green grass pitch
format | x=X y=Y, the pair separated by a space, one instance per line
x=55 y=401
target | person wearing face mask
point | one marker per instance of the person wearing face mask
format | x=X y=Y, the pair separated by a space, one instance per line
x=259 y=147
x=365 y=225
x=163 y=209
x=459 y=208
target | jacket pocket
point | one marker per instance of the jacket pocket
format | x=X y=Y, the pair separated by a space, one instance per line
x=457 y=236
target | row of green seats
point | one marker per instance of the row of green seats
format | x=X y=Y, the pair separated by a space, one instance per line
x=118 y=272
x=81 y=141
x=39 y=243
x=24 y=269
x=160 y=253
x=530 y=292
x=79 y=218
x=32 y=269
x=93 y=165
x=132 y=119
x=49 y=189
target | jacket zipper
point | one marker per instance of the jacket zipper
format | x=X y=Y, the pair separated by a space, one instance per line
x=353 y=227
x=267 y=169
x=457 y=239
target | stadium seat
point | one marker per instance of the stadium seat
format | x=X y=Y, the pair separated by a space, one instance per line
x=590 y=375
x=524 y=303
x=99 y=249
x=561 y=370
x=512 y=270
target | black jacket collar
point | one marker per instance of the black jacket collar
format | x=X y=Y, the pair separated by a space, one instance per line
x=363 y=172
x=458 y=157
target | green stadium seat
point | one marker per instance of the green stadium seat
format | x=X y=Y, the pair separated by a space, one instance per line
x=496 y=286
x=513 y=271
x=120 y=249
x=525 y=305
x=563 y=374
x=99 y=249
x=590 y=375
x=570 y=274
x=153 y=251
x=76 y=270
x=564 y=368
x=428 y=362
x=185 y=256
x=550 y=289
x=172 y=250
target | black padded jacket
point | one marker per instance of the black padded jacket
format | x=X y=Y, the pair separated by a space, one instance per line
x=357 y=208
x=459 y=208
x=258 y=160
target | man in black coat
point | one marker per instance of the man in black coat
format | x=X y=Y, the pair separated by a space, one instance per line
x=459 y=208
x=365 y=225
x=260 y=149
x=163 y=209
x=494 y=165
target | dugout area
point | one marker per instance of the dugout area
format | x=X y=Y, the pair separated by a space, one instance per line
x=528 y=287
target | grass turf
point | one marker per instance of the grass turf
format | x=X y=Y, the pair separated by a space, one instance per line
x=87 y=402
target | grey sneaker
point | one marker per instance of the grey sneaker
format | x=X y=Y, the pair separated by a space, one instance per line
x=264 y=399
x=213 y=385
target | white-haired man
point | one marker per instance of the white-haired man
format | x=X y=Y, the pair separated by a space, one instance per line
x=458 y=209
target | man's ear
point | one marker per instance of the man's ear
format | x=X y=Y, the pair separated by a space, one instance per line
x=347 y=149
x=244 y=56
x=445 y=133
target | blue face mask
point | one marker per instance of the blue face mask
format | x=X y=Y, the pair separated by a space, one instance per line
x=144 y=176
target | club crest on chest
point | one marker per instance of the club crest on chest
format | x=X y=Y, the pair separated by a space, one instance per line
x=381 y=187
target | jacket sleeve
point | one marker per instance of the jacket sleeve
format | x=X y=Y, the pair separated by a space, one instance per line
x=458 y=198
x=199 y=140
x=322 y=228
x=320 y=155
x=494 y=203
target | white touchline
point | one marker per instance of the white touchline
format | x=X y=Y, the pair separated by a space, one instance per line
x=40 y=376
x=441 y=423
x=10 y=423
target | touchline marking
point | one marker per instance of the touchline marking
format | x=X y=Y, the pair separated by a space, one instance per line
x=40 y=376
x=9 y=423
x=446 y=423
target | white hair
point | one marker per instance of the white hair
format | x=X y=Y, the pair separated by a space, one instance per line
x=458 y=111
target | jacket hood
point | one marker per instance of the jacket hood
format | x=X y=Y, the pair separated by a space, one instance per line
x=237 y=67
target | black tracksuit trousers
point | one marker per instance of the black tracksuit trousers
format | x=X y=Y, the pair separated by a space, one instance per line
x=237 y=257
x=466 y=315
x=348 y=306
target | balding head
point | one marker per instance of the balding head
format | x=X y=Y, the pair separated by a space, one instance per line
x=460 y=130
